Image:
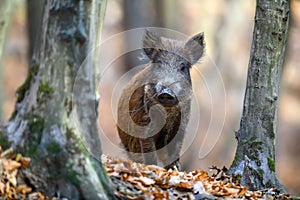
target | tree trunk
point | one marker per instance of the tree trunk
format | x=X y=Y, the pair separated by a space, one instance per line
x=43 y=125
x=254 y=161
x=34 y=21
x=138 y=14
x=5 y=13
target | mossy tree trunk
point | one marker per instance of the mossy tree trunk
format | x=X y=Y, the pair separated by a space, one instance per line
x=47 y=124
x=5 y=14
x=255 y=156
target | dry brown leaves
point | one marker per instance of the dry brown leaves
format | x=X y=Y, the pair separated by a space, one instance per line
x=138 y=181
x=10 y=189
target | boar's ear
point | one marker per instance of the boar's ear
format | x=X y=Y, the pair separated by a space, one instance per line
x=195 y=47
x=150 y=43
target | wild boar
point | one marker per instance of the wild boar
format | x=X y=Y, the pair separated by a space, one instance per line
x=154 y=108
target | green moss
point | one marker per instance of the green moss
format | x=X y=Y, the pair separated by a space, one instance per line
x=4 y=143
x=36 y=125
x=34 y=70
x=44 y=91
x=252 y=149
x=244 y=143
x=253 y=144
x=252 y=154
x=54 y=148
x=102 y=172
x=238 y=178
x=45 y=87
x=236 y=160
x=78 y=145
x=257 y=173
x=257 y=144
x=83 y=148
x=14 y=114
x=21 y=91
x=32 y=149
x=271 y=164
x=69 y=133
x=72 y=176
x=260 y=173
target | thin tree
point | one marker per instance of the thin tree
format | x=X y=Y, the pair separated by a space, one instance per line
x=138 y=14
x=254 y=160
x=5 y=13
x=47 y=125
x=34 y=21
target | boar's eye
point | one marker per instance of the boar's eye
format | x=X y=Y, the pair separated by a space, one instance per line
x=184 y=68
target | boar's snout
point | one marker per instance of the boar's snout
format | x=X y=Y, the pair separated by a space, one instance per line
x=167 y=98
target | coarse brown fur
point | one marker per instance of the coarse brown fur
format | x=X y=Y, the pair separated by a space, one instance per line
x=159 y=97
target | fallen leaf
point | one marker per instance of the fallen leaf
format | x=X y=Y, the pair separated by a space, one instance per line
x=23 y=189
x=146 y=181
x=11 y=165
x=24 y=162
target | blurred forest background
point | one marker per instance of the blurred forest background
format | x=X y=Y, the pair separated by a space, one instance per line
x=228 y=26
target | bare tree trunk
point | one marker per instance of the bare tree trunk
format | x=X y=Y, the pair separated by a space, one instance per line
x=34 y=20
x=5 y=14
x=254 y=161
x=48 y=124
x=138 y=14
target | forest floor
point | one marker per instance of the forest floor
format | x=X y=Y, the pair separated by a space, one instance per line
x=138 y=181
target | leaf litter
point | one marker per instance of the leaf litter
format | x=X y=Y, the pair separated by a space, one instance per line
x=137 y=181
x=10 y=189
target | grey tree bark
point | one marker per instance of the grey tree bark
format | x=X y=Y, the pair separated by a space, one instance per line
x=34 y=21
x=254 y=161
x=5 y=13
x=48 y=125
x=139 y=14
